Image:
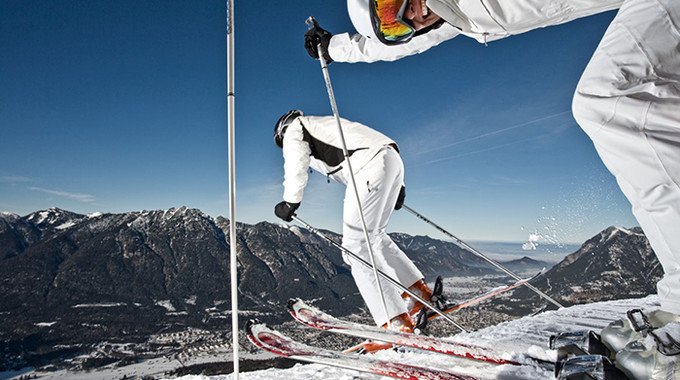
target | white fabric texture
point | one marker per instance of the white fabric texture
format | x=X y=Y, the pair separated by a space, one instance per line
x=378 y=184
x=487 y=20
x=628 y=102
x=484 y=21
x=364 y=141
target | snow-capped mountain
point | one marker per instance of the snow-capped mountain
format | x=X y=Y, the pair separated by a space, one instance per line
x=617 y=263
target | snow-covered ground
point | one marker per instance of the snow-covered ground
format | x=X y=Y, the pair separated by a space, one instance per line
x=153 y=368
x=525 y=335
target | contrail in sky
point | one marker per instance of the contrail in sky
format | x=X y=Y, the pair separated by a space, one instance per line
x=76 y=196
x=484 y=135
x=489 y=148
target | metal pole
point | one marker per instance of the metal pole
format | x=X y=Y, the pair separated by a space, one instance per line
x=311 y=23
x=383 y=274
x=491 y=261
x=231 y=106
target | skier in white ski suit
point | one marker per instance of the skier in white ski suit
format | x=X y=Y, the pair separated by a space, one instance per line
x=313 y=142
x=627 y=101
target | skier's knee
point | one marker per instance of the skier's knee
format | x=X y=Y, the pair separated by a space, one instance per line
x=578 y=106
x=586 y=112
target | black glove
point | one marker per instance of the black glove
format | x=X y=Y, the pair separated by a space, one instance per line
x=400 y=198
x=285 y=210
x=314 y=37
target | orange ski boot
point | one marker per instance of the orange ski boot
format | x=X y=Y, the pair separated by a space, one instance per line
x=412 y=304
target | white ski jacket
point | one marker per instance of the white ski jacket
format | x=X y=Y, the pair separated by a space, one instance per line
x=483 y=20
x=313 y=141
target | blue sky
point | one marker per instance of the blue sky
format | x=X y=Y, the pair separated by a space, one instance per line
x=120 y=106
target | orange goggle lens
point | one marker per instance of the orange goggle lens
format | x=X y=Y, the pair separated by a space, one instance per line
x=386 y=17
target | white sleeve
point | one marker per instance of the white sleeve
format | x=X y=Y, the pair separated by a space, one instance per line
x=357 y=48
x=297 y=156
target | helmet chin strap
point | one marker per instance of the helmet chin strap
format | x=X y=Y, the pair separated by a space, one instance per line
x=426 y=29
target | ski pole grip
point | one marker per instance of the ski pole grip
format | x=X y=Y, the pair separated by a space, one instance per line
x=311 y=23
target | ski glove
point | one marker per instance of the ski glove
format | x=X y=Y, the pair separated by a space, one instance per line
x=314 y=37
x=400 y=198
x=285 y=210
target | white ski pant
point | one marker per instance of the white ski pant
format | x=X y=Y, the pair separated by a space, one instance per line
x=628 y=102
x=378 y=184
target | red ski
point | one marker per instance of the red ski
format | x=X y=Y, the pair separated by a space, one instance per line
x=316 y=318
x=273 y=341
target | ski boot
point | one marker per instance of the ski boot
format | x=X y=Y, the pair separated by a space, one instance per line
x=401 y=322
x=417 y=310
x=656 y=357
x=634 y=326
x=587 y=367
x=413 y=305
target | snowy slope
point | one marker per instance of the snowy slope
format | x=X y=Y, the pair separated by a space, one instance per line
x=528 y=334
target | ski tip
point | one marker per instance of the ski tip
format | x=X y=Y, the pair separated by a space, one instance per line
x=534 y=277
x=249 y=325
x=292 y=302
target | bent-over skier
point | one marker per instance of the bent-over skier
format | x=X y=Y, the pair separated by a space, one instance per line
x=313 y=142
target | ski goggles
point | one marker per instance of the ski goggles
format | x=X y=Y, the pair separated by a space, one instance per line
x=387 y=20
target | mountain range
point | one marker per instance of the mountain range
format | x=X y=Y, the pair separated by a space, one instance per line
x=617 y=263
x=69 y=280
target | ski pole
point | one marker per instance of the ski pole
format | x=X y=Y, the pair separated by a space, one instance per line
x=311 y=23
x=233 y=260
x=380 y=272
x=491 y=261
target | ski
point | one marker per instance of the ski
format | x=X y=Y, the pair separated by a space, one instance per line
x=448 y=308
x=273 y=341
x=316 y=318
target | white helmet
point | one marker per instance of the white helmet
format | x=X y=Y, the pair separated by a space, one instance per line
x=360 y=15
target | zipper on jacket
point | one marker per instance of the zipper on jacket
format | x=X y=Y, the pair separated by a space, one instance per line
x=329 y=174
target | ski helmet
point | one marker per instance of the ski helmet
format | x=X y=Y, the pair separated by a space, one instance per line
x=381 y=20
x=283 y=123
x=361 y=17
